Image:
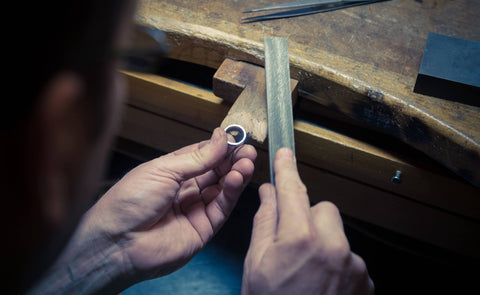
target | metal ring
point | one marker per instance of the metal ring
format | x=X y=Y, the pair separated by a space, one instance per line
x=242 y=134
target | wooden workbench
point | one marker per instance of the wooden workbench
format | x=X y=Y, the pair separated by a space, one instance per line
x=357 y=65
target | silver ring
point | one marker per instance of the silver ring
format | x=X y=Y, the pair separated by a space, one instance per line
x=241 y=134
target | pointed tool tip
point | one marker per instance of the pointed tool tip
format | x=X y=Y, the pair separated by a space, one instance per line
x=252 y=10
x=250 y=19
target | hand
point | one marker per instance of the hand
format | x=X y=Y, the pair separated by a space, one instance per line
x=164 y=211
x=296 y=249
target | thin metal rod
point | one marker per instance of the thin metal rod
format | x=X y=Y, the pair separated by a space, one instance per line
x=301 y=4
x=306 y=10
x=279 y=99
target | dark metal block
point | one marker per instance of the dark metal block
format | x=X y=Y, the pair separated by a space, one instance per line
x=450 y=69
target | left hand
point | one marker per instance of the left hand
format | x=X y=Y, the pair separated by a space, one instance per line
x=164 y=211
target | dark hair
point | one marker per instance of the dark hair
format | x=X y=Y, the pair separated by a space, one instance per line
x=52 y=36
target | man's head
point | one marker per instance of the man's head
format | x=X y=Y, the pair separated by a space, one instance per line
x=57 y=122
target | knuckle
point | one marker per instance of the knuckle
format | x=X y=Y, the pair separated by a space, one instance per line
x=303 y=240
x=339 y=253
x=301 y=187
x=328 y=207
x=293 y=185
x=359 y=266
x=161 y=170
x=359 y=270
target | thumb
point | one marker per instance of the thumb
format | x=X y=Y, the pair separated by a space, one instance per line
x=196 y=159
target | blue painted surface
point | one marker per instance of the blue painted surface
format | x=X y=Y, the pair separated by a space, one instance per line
x=213 y=271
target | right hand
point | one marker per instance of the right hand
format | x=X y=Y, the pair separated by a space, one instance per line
x=296 y=249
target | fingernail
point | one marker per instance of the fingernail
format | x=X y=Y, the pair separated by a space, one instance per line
x=285 y=153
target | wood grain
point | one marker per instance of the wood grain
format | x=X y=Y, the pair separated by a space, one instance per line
x=318 y=147
x=244 y=85
x=389 y=210
x=360 y=62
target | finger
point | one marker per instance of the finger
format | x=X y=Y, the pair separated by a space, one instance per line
x=188 y=148
x=188 y=194
x=192 y=147
x=242 y=160
x=265 y=220
x=222 y=205
x=245 y=154
x=245 y=151
x=329 y=226
x=199 y=220
x=196 y=160
x=293 y=203
x=245 y=167
x=326 y=215
x=211 y=177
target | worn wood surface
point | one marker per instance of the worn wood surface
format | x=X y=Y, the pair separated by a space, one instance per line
x=243 y=85
x=443 y=228
x=429 y=205
x=318 y=147
x=360 y=62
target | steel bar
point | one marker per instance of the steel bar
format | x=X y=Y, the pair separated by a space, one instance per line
x=279 y=99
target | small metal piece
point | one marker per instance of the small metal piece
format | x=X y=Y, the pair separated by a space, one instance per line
x=396 y=179
x=238 y=133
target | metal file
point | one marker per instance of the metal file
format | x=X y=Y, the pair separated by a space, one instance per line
x=279 y=98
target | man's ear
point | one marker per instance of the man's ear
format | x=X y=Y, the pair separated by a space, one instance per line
x=61 y=116
x=60 y=94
